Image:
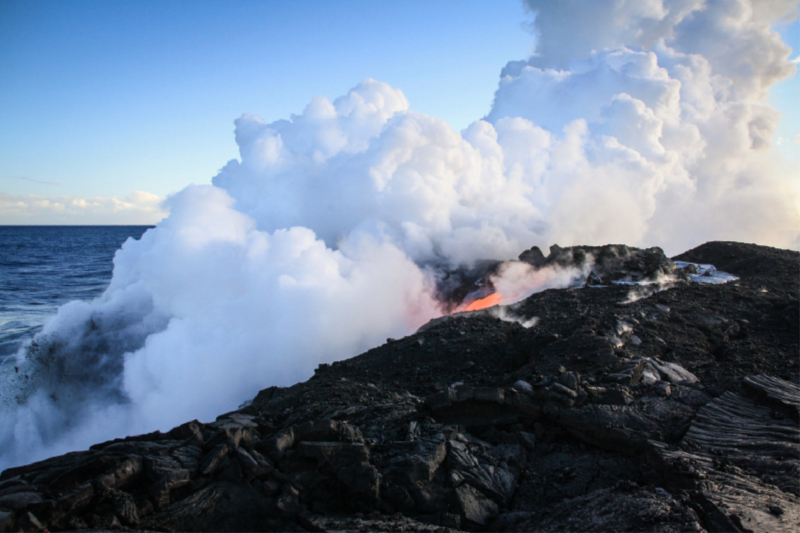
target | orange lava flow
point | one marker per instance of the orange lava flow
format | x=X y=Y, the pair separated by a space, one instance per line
x=493 y=299
x=483 y=303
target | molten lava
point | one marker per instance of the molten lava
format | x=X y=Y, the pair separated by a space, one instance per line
x=483 y=303
x=493 y=299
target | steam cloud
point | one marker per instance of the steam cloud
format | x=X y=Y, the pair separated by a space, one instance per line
x=643 y=122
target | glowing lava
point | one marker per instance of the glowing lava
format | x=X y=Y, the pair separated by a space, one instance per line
x=483 y=303
x=493 y=299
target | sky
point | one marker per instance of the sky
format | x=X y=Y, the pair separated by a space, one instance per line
x=109 y=107
x=105 y=98
x=785 y=96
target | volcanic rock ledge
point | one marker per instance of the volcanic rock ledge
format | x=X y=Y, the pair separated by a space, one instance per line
x=665 y=408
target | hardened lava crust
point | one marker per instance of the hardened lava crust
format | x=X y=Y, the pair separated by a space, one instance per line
x=647 y=399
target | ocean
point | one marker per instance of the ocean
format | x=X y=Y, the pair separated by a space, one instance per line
x=44 y=267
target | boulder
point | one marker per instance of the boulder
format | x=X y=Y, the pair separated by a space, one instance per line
x=124 y=472
x=474 y=506
x=19 y=500
x=418 y=461
x=7 y=521
x=533 y=257
x=213 y=459
x=221 y=506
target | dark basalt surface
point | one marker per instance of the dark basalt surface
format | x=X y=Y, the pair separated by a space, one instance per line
x=666 y=407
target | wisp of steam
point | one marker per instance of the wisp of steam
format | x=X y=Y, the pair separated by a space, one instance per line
x=637 y=121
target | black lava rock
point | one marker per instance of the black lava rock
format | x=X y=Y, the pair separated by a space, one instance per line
x=668 y=409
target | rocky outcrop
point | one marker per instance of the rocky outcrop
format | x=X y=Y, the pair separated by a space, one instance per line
x=613 y=262
x=676 y=411
x=739 y=462
x=596 y=265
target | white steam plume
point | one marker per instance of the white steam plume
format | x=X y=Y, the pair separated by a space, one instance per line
x=643 y=122
x=202 y=312
x=662 y=105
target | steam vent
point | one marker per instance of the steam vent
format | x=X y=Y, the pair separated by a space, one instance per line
x=651 y=394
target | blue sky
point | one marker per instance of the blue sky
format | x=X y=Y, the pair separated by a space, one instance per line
x=103 y=98
x=786 y=97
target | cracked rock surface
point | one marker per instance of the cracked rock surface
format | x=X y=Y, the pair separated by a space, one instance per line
x=622 y=409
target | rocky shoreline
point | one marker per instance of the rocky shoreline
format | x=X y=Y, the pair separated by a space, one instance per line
x=664 y=407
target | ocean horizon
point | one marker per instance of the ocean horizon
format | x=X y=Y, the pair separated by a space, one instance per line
x=43 y=267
